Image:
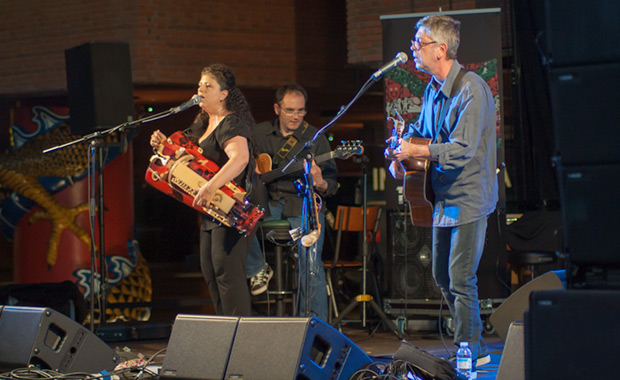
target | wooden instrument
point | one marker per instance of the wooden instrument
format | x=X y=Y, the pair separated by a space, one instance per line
x=344 y=151
x=417 y=181
x=179 y=169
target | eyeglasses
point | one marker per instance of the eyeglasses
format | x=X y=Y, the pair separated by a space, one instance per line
x=417 y=45
x=291 y=112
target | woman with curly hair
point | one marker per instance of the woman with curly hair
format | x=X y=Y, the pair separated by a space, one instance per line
x=223 y=130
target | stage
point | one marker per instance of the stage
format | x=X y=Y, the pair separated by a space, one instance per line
x=179 y=290
x=380 y=346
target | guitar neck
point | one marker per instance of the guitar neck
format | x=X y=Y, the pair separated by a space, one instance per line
x=272 y=175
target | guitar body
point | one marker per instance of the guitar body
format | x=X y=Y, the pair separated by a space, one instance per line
x=418 y=189
x=263 y=163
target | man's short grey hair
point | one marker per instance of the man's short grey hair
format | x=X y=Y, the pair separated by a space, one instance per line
x=443 y=29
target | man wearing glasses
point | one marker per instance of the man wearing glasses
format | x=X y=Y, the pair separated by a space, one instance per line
x=281 y=138
x=458 y=116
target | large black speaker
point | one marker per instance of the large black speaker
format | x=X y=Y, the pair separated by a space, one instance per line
x=577 y=31
x=590 y=212
x=410 y=254
x=99 y=86
x=572 y=334
x=48 y=339
x=585 y=113
x=206 y=347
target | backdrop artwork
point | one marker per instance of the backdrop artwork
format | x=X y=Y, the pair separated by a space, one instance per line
x=46 y=214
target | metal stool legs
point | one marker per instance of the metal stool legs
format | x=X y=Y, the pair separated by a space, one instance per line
x=280 y=292
x=278 y=234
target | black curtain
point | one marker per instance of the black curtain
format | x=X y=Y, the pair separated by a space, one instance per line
x=532 y=172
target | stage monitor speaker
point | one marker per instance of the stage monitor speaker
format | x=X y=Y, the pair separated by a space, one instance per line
x=47 y=339
x=572 y=334
x=511 y=365
x=586 y=117
x=214 y=348
x=513 y=307
x=199 y=347
x=99 y=86
x=590 y=212
x=292 y=348
x=568 y=21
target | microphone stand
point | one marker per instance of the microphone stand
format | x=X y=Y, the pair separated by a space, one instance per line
x=310 y=224
x=306 y=150
x=365 y=297
x=96 y=151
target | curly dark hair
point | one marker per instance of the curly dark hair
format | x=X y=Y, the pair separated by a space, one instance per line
x=235 y=102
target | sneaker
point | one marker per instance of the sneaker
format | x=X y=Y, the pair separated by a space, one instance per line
x=482 y=360
x=259 y=282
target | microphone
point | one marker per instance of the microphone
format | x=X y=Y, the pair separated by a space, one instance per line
x=398 y=60
x=193 y=101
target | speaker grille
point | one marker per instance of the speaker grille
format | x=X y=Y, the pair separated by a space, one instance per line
x=410 y=254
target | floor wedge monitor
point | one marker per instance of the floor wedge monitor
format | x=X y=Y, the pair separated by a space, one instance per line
x=199 y=347
x=292 y=348
x=47 y=339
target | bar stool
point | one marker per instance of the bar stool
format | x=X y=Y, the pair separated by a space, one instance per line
x=277 y=232
x=533 y=241
x=523 y=264
x=347 y=219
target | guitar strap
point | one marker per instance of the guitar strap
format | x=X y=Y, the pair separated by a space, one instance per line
x=445 y=103
x=290 y=143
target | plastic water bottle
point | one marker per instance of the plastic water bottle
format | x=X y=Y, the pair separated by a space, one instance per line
x=463 y=360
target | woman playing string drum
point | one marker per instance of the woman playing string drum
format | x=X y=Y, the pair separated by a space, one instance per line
x=223 y=131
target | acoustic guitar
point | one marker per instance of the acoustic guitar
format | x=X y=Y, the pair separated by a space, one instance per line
x=417 y=180
x=343 y=151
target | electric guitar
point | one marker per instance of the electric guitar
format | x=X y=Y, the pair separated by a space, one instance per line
x=417 y=181
x=343 y=151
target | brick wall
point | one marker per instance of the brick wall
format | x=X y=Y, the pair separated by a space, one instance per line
x=170 y=41
x=175 y=39
x=364 y=36
x=34 y=35
x=267 y=42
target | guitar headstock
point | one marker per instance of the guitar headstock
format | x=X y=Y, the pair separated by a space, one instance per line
x=398 y=124
x=349 y=148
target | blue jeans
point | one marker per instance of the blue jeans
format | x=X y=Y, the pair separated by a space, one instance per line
x=456 y=255
x=317 y=283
